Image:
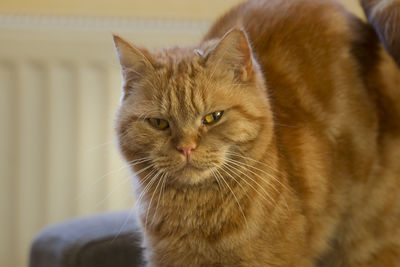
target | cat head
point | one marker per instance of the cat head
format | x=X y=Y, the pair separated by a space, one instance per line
x=184 y=111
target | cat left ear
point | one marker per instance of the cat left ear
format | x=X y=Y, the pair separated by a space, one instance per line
x=134 y=62
x=233 y=52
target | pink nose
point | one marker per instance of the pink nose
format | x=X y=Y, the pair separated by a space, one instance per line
x=186 y=150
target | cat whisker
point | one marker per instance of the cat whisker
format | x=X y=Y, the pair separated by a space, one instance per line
x=124 y=181
x=242 y=164
x=123 y=135
x=109 y=142
x=233 y=194
x=124 y=200
x=147 y=177
x=162 y=179
x=255 y=189
x=264 y=164
x=216 y=179
x=94 y=183
x=253 y=160
x=130 y=214
x=233 y=178
x=147 y=187
x=151 y=199
x=163 y=186
x=144 y=169
x=139 y=160
x=131 y=211
x=247 y=166
x=141 y=183
x=268 y=201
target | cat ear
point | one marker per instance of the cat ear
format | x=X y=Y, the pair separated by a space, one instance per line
x=233 y=52
x=134 y=62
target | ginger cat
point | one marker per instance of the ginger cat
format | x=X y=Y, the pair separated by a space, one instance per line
x=273 y=142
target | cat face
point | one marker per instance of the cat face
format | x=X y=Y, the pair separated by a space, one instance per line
x=185 y=110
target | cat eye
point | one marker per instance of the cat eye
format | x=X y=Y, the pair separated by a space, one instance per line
x=212 y=117
x=159 y=124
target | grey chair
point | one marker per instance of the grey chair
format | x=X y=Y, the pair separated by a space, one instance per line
x=109 y=239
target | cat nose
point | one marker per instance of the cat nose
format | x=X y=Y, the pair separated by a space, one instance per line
x=186 y=149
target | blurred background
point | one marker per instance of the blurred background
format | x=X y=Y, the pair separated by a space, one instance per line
x=59 y=90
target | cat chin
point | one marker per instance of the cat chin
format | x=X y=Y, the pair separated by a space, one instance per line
x=191 y=175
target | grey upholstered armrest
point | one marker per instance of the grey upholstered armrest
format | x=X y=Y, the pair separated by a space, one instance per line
x=109 y=239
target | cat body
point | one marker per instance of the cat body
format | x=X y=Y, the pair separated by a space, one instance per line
x=300 y=164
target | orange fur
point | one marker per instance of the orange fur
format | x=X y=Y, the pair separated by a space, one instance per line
x=303 y=167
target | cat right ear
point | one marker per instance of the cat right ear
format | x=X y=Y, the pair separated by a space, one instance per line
x=134 y=62
x=233 y=53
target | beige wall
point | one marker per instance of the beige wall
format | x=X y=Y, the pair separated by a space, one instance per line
x=175 y=9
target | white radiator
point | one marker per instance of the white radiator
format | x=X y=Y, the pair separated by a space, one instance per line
x=59 y=90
